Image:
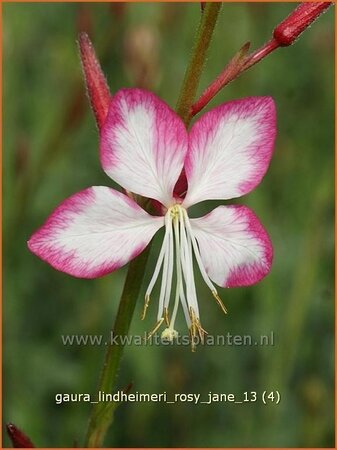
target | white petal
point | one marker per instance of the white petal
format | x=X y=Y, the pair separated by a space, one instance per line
x=234 y=246
x=143 y=144
x=94 y=232
x=230 y=148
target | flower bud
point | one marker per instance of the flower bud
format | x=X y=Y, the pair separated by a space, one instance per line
x=18 y=438
x=289 y=29
x=96 y=84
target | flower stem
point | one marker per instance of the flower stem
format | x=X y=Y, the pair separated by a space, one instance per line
x=284 y=34
x=196 y=65
x=102 y=415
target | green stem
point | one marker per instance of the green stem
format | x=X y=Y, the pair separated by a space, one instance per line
x=196 y=65
x=101 y=416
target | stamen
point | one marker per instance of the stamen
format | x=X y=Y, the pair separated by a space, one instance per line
x=180 y=287
x=170 y=267
x=165 y=275
x=193 y=320
x=156 y=327
x=166 y=317
x=193 y=329
x=201 y=265
x=201 y=331
x=219 y=301
x=192 y=337
x=187 y=265
x=156 y=271
x=179 y=238
x=146 y=305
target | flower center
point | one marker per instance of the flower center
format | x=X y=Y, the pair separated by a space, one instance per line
x=179 y=246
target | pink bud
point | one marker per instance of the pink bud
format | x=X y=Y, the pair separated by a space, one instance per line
x=19 y=439
x=289 y=29
x=96 y=84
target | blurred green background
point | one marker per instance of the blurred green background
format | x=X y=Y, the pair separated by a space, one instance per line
x=50 y=152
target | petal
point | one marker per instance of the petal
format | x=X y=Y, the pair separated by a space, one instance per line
x=94 y=232
x=143 y=144
x=235 y=248
x=230 y=148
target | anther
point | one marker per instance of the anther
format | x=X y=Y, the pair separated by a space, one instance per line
x=156 y=327
x=166 y=317
x=193 y=328
x=219 y=301
x=146 y=304
x=201 y=331
x=192 y=337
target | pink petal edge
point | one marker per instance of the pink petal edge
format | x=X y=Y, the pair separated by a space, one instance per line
x=143 y=144
x=242 y=229
x=253 y=273
x=44 y=242
x=214 y=169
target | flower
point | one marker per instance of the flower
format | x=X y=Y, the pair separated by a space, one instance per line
x=144 y=147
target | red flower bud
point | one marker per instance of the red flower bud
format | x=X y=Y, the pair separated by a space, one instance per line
x=284 y=34
x=98 y=90
x=290 y=28
x=19 y=439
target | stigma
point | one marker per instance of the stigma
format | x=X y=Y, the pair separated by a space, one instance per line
x=175 y=262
